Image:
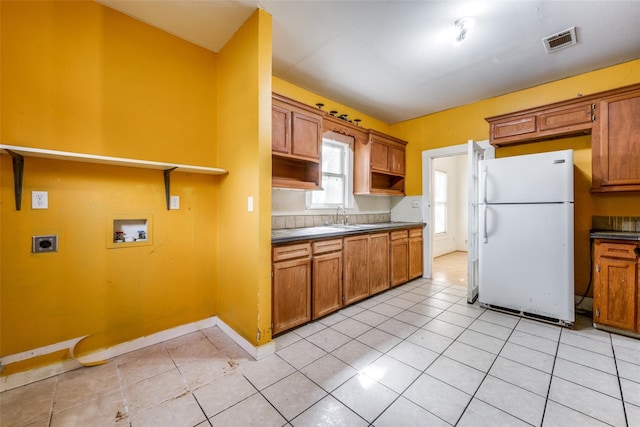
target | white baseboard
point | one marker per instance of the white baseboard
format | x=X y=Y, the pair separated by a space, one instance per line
x=22 y=378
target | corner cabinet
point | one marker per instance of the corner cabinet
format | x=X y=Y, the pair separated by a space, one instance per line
x=296 y=144
x=379 y=165
x=615 y=295
x=615 y=144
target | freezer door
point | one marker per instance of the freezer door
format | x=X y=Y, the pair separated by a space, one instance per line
x=526 y=262
x=532 y=178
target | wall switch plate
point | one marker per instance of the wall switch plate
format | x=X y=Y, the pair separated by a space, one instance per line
x=415 y=203
x=39 y=200
x=174 y=202
x=250 y=204
x=42 y=244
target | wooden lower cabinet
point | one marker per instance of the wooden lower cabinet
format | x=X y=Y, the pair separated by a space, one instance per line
x=314 y=279
x=415 y=253
x=378 y=262
x=356 y=268
x=327 y=277
x=399 y=257
x=615 y=295
x=291 y=286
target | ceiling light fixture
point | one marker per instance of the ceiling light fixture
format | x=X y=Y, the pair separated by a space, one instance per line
x=463 y=25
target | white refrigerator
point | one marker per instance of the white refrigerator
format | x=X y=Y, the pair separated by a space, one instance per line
x=526 y=236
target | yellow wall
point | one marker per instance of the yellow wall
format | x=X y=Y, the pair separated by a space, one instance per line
x=457 y=125
x=244 y=117
x=289 y=90
x=77 y=76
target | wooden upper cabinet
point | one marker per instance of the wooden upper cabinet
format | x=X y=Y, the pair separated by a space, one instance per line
x=296 y=129
x=379 y=165
x=296 y=144
x=281 y=129
x=561 y=119
x=615 y=144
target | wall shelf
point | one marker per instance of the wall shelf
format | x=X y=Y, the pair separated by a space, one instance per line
x=18 y=153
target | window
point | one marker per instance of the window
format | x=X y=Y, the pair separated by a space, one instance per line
x=336 y=177
x=440 y=202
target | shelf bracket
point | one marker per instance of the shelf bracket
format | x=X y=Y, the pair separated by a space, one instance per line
x=18 y=173
x=167 y=186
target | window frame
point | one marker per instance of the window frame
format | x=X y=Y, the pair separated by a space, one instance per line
x=347 y=174
x=440 y=203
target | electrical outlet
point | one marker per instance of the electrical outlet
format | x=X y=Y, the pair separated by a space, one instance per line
x=39 y=200
x=174 y=202
x=415 y=203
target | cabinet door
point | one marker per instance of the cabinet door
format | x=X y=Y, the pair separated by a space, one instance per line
x=396 y=160
x=356 y=268
x=379 y=156
x=616 y=144
x=280 y=130
x=615 y=285
x=327 y=284
x=563 y=119
x=306 y=131
x=512 y=128
x=415 y=253
x=291 y=294
x=399 y=261
x=378 y=262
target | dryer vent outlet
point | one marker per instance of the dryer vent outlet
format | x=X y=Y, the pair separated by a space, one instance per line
x=43 y=244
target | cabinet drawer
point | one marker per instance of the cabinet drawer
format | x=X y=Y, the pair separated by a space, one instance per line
x=415 y=232
x=282 y=253
x=618 y=250
x=513 y=127
x=327 y=246
x=402 y=234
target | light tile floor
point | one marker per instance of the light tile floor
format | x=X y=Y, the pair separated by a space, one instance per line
x=416 y=355
x=451 y=268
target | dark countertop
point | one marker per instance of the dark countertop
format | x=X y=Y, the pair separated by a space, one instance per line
x=290 y=235
x=615 y=235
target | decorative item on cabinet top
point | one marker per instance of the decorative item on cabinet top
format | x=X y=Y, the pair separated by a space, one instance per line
x=19 y=152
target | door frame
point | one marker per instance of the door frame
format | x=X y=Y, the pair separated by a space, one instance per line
x=427 y=192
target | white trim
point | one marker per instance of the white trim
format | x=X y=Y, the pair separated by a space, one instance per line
x=427 y=159
x=22 y=378
x=256 y=352
x=40 y=351
x=102 y=356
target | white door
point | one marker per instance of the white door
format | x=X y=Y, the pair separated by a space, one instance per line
x=475 y=154
x=427 y=171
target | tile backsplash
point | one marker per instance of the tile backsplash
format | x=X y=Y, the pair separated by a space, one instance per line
x=279 y=222
x=616 y=223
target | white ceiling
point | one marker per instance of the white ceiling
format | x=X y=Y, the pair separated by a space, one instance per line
x=395 y=60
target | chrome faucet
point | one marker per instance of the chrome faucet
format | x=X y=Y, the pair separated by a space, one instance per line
x=345 y=219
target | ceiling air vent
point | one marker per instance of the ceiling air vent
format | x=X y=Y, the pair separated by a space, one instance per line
x=561 y=40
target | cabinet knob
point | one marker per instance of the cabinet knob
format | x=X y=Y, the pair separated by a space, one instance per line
x=597 y=312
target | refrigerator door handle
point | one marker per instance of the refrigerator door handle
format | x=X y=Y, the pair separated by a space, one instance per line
x=485 y=236
x=484 y=184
